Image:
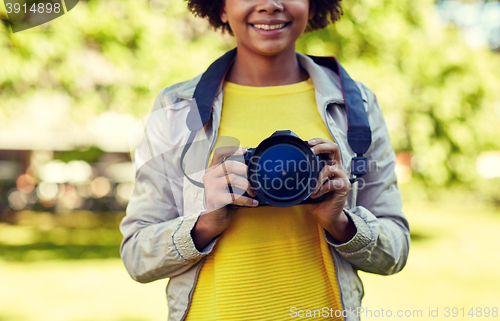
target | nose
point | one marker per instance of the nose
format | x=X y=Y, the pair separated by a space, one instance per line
x=270 y=6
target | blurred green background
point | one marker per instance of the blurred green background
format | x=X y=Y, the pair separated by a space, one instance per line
x=70 y=89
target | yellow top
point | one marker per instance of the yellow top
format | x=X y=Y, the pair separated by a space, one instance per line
x=270 y=259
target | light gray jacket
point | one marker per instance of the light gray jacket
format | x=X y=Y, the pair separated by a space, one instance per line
x=165 y=206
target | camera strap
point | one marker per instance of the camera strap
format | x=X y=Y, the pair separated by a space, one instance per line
x=359 y=134
x=203 y=102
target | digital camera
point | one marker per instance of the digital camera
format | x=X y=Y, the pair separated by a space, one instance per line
x=283 y=170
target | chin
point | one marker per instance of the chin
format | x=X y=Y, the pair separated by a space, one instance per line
x=273 y=50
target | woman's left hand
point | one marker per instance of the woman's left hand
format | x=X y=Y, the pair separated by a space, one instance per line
x=334 y=184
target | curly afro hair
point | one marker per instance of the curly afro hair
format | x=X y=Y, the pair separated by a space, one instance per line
x=326 y=11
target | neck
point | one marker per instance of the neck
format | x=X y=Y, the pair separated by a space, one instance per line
x=252 y=69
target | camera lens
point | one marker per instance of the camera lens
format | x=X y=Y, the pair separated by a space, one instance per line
x=283 y=172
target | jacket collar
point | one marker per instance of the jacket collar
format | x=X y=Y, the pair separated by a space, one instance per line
x=326 y=82
x=336 y=88
x=329 y=89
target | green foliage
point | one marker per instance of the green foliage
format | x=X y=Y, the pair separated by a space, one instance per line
x=90 y=155
x=440 y=97
x=105 y=55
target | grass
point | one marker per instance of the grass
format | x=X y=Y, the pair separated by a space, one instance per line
x=453 y=262
x=33 y=236
x=84 y=290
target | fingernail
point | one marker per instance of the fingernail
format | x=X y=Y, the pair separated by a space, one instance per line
x=255 y=202
x=312 y=141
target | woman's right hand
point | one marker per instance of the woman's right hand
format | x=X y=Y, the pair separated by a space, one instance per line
x=218 y=179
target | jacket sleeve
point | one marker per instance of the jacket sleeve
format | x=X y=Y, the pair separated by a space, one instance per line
x=381 y=243
x=157 y=240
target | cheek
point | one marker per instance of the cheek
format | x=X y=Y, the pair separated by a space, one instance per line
x=307 y=14
x=236 y=18
x=303 y=9
x=300 y=13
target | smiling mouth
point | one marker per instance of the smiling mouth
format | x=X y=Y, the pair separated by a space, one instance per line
x=270 y=27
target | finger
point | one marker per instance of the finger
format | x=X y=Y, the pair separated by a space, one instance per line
x=323 y=189
x=339 y=186
x=329 y=172
x=228 y=182
x=222 y=152
x=317 y=140
x=245 y=201
x=228 y=198
x=237 y=181
x=249 y=191
x=329 y=148
x=230 y=167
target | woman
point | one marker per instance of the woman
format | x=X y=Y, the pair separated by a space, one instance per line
x=262 y=263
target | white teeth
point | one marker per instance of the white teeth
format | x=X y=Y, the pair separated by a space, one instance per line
x=270 y=27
